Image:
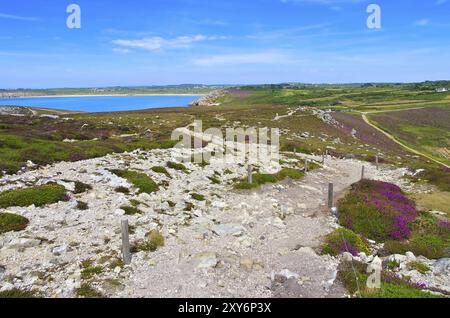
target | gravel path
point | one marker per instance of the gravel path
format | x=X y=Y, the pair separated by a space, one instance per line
x=261 y=244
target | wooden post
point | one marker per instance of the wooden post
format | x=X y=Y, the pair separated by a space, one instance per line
x=306 y=165
x=250 y=174
x=323 y=158
x=377 y=162
x=362 y=172
x=330 y=195
x=125 y=243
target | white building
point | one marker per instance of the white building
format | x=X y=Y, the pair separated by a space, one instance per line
x=442 y=90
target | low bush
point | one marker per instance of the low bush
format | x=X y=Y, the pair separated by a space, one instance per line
x=39 y=196
x=17 y=293
x=343 y=240
x=12 y=222
x=81 y=187
x=131 y=210
x=82 y=205
x=143 y=182
x=86 y=291
x=176 y=166
x=153 y=240
x=377 y=210
x=260 y=178
x=354 y=278
x=161 y=170
x=419 y=266
x=198 y=197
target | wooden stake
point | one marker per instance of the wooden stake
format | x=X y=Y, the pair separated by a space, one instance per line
x=125 y=243
x=362 y=172
x=306 y=165
x=377 y=162
x=250 y=174
x=330 y=195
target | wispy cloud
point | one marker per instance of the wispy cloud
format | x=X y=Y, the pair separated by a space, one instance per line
x=422 y=22
x=158 y=43
x=121 y=51
x=266 y=57
x=17 y=17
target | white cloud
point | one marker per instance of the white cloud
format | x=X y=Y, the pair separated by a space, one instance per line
x=422 y=22
x=159 y=43
x=267 y=57
x=17 y=17
x=121 y=51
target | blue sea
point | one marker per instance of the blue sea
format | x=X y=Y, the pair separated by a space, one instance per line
x=101 y=103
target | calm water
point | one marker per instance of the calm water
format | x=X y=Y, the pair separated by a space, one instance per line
x=101 y=103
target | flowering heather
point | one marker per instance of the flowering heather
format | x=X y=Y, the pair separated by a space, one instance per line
x=378 y=210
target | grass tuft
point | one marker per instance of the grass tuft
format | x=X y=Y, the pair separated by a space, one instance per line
x=39 y=196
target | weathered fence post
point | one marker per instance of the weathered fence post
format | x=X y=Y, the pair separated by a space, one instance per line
x=125 y=242
x=363 y=172
x=330 y=195
x=377 y=162
x=250 y=174
x=306 y=165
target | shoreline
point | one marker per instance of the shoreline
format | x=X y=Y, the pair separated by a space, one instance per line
x=102 y=95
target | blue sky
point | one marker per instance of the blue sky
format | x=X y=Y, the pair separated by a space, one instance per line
x=155 y=42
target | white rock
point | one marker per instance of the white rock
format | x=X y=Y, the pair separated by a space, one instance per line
x=23 y=243
x=228 y=229
x=206 y=260
x=59 y=250
x=410 y=256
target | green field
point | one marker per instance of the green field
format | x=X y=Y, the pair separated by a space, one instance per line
x=44 y=140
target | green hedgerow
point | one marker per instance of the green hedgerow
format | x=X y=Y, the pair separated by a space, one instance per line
x=39 y=196
x=12 y=222
x=343 y=240
x=143 y=182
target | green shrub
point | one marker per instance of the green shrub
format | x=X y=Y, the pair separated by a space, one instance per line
x=354 y=278
x=363 y=218
x=260 y=178
x=81 y=187
x=87 y=291
x=122 y=190
x=419 y=266
x=214 y=180
x=198 y=197
x=429 y=246
x=131 y=210
x=343 y=240
x=176 y=166
x=82 y=205
x=39 y=196
x=17 y=293
x=91 y=271
x=160 y=169
x=12 y=222
x=153 y=240
x=143 y=182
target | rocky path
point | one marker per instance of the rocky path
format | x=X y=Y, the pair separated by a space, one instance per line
x=259 y=244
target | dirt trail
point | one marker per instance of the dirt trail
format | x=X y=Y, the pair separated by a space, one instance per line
x=238 y=252
x=364 y=116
